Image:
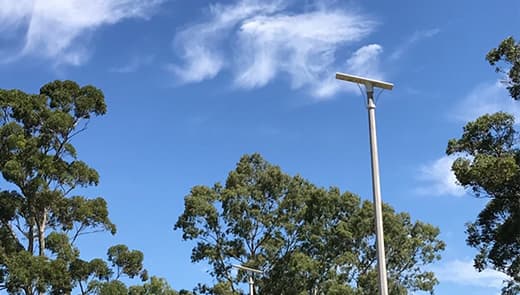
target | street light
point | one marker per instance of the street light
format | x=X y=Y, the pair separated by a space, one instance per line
x=376 y=188
x=250 y=271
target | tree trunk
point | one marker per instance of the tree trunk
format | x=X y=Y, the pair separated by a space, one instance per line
x=41 y=233
x=28 y=291
x=81 y=288
x=30 y=237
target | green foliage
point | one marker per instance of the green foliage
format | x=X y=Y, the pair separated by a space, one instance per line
x=36 y=274
x=127 y=262
x=114 y=287
x=506 y=59
x=97 y=277
x=305 y=238
x=39 y=220
x=489 y=164
x=156 y=286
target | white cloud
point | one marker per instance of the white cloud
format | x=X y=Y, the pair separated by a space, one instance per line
x=486 y=98
x=200 y=44
x=363 y=62
x=57 y=29
x=410 y=42
x=200 y=63
x=267 y=41
x=134 y=64
x=13 y=13
x=463 y=273
x=301 y=45
x=438 y=179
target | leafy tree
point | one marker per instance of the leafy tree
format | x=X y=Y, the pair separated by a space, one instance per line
x=307 y=240
x=40 y=218
x=156 y=286
x=98 y=278
x=488 y=163
x=40 y=221
x=506 y=59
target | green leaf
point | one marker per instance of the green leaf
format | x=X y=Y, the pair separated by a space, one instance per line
x=303 y=237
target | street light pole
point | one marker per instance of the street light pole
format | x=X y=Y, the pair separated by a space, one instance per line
x=376 y=187
x=250 y=271
x=251 y=284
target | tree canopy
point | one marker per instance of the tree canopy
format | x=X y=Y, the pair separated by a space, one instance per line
x=40 y=216
x=488 y=163
x=306 y=239
x=506 y=59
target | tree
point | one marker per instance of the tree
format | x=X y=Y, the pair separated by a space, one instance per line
x=156 y=286
x=40 y=218
x=98 y=278
x=506 y=59
x=39 y=221
x=488 y=163
x=306 y=239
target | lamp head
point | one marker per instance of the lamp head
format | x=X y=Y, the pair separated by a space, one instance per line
x=364 y=81
x=247 y=268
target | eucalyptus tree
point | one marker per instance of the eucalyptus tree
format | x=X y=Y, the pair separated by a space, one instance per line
x=488 y=164
x=41 y=217
x=506 y=60
x=306 y=239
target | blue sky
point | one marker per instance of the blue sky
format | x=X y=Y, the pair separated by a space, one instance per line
x=193 y=85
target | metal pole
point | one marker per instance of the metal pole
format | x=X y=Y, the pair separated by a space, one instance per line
x=251 y=272
x=251 y=285
x=381 y=261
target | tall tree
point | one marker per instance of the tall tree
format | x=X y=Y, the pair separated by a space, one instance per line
x=40 y=217
x=307 y=240
x=156 y=286
x=488 y=163
x=98 y=277
x=506 y=59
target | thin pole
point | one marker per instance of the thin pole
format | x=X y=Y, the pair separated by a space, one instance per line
x=251 y=285
x=249 y=271
x=376 y=188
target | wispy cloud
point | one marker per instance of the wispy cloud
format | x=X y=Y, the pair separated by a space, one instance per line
x=411 y=41
x=59 y=29
x=135 y=63
x=462 y=272
x=200 y=45
x=485 y=98
x=437 y=179
x=266 y=40
x=363 y=62
x=14 y=13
